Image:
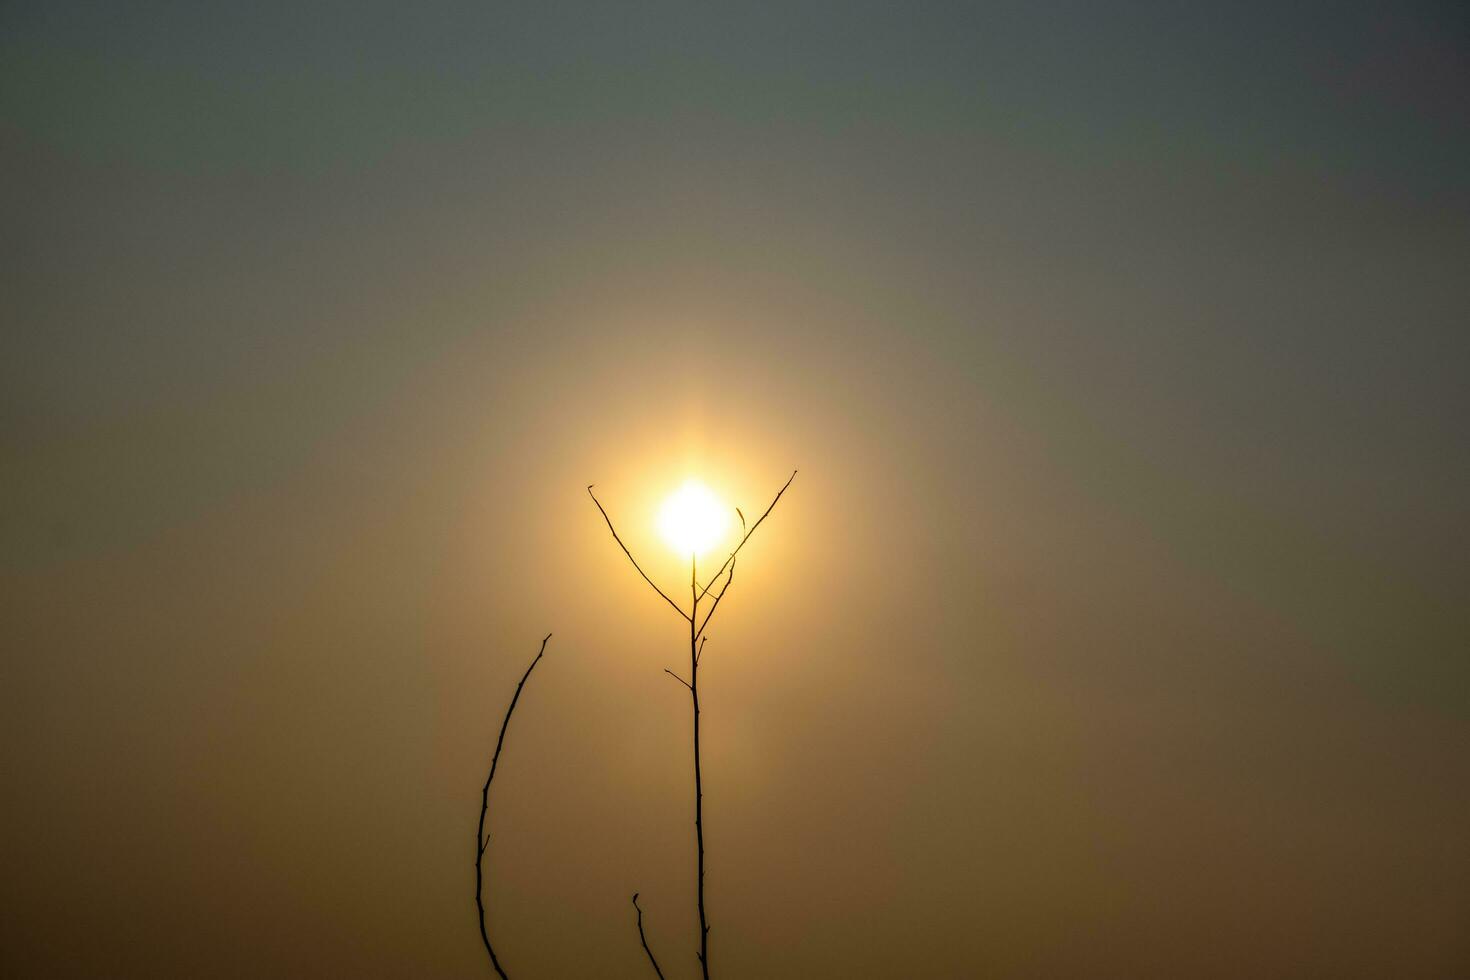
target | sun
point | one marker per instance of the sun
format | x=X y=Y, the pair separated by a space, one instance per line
x=693 y=519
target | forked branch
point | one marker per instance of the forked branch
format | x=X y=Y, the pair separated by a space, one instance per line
x=644 y=939
x=718 y=596
x=619 y=540
x=482 y=839
x=696 y=648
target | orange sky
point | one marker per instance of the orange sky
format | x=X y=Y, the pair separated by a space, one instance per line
x=1114 y=627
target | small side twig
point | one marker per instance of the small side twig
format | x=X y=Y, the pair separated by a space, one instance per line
x=676 y=677
x=644 y=939
x=482 y=839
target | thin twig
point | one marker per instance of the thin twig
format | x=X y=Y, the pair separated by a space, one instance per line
x=644 y=939
x=482 y=839
x=619 y=540
x=677 y=677
x=746 y=538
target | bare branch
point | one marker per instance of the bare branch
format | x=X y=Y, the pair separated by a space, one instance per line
x=482 y=839
x=718 y=596
x=677 y=678
x=699 y=652
x=677 y=609
x=644 y=939
x=747 y=535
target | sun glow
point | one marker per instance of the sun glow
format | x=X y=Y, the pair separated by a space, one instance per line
x=693 y=519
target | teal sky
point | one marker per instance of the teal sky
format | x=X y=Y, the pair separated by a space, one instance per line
x=1116 y=625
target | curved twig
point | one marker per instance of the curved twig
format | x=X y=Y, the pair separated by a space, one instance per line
x=482 y=840
x=619 y=540
x=644 y=939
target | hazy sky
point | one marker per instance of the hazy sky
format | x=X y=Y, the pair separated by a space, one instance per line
x=1116 y=625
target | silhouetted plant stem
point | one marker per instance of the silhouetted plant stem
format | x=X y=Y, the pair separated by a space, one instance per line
x=482 y=840
x=696 y=647
x=644 y=939
x=698 y=780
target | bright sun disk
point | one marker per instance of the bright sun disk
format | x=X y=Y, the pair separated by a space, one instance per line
x=693 y=519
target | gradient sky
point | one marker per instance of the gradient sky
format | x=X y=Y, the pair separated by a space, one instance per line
x=1116 y=625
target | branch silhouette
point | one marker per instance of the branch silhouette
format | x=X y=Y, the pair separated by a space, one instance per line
x=716 y=604
x=748 y=533
x=619 y=540
x=482 y=839
x=696 y=649
x=644 y=940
